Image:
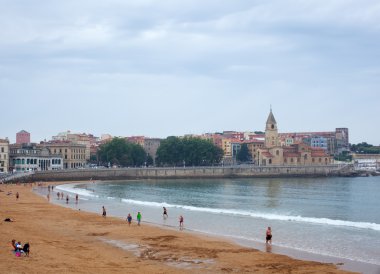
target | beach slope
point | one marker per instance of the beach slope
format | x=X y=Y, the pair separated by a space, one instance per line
x=63 y=240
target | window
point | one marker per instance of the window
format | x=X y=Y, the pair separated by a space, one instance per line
x=2 y=149
x=291 y=160
x=277 y=152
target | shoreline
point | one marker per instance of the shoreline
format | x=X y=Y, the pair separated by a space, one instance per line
x=342 y=263
x=59 y=236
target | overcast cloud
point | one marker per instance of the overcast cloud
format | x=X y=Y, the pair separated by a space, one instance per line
x=159 y=68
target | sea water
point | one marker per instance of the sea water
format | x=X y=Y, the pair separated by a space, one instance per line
x=337 y=217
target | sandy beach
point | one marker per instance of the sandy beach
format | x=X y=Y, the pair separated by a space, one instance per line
x=63 y=240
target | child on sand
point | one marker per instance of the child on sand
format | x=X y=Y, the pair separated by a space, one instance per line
x=17 y=195
x=180 y=221
x=269 y=235
x=104 y=212
x=165 y=214
x=138 y=218
x=129 y=219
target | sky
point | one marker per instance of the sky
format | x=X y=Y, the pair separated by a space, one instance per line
x=161 y=68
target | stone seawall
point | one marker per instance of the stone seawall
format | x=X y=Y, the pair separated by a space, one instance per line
x=189 y=172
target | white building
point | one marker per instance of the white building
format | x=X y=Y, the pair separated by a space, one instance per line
x=27 y=158
x=4 y=155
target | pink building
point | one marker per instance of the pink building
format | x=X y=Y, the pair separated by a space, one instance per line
x=22 y=137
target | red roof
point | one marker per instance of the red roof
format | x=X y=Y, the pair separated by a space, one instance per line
x=267 y=154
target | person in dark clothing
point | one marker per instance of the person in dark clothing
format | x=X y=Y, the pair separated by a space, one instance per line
x=26 y=249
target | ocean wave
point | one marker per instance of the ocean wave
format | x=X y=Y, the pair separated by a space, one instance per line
x=79 y=191
x=267 y=216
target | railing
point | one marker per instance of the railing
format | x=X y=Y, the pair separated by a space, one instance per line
x=14 y=176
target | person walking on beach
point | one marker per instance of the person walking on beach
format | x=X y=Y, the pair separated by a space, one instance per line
x=269 y=235
x=58 y=194
x=67 y=199
x=129 y=219
x=181 y=222
x=17 y=196
x=138 y=218
x=104 y=212
x=165 y=214
x=76 y=198
x=61 y=195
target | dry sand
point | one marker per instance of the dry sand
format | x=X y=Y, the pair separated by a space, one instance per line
x=63 y=240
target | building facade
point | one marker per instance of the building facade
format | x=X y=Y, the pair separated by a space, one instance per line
x=32 y=157
x=4 y=155
x=151 y=146
x=273 y=153
x=22 y=137
x=73 y=155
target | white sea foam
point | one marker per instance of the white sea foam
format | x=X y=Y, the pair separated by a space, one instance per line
x=81 y=192
x=267 y=216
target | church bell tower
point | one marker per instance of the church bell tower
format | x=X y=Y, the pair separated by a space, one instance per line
x=271 y=132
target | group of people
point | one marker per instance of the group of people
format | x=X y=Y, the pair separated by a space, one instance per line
x=139 y=216
x=18 y=249
x=60 y=195
x=129 y=218
x=165 y=215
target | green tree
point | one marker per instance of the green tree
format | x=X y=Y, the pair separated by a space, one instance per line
x=149 y=160
x=188 y=151
x=243 y=155
x=364 y=148
x=120 y=152
x=344 y=156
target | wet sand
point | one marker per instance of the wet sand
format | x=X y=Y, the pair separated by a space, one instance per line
x=63 y=240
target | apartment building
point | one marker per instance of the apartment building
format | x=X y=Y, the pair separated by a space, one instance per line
x=4 y=155
x=22 y=137
x=33 y=157
x=74 y=155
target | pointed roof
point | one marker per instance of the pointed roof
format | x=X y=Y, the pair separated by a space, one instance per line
x=271 y=119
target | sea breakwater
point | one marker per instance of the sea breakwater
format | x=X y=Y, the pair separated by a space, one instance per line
x=192 y=172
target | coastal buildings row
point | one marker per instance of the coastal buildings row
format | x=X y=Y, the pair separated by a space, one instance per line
x=331 y=142
x=68 y=150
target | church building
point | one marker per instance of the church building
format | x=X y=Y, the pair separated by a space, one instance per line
x=297 y=154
